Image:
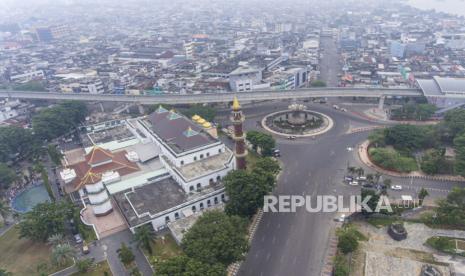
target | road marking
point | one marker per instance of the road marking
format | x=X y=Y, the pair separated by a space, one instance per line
x=268 y=256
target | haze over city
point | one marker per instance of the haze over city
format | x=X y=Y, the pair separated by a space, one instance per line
x=241 y=137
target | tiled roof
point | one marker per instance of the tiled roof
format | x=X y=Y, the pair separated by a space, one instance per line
x=87 y=174
x=178 y=132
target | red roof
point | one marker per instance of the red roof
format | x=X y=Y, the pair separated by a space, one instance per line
x=90 y=172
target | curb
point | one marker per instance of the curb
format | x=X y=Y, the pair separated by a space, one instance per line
x=364 y=158
x=315 y=133
x=233 y=269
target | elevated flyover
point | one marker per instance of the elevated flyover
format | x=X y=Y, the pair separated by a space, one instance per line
x=215 y=97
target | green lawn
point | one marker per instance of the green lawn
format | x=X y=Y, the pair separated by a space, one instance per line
x=97 y=270
x=381 y=222
x=22 y=256
x=164 y=249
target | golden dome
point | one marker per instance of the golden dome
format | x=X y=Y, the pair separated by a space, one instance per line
x=236 y=105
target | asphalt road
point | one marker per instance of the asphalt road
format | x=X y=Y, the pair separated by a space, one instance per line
x=296 y=243
x=329 y=63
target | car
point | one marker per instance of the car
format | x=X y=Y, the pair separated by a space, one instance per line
x=336 y=107
x=341 y=218
x=363 y=178
x=353 y=183
x=367 y=185
x=348 y=178
x=78 y=238
x=396 y=187
x=343 y=110
x=276 y=153
x=291 y=137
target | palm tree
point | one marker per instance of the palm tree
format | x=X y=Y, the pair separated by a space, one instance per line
x=144 y=237
x=387 y=183
x=55 y=239
x=422 y=194
x=62 y=253
x=360 y=171
x=351 y=170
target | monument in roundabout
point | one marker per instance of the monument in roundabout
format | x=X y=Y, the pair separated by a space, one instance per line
x=297 y=121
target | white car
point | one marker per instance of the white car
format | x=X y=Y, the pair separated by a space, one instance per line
x=353 y=183
x=396 y=187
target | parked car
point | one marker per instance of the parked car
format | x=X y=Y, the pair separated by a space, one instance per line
x=276 y=153
x=78 y=238
x=291 y=137
x=363 y=178
x=348 y=178
x=396 y=187
x=367 y=185
x=353 y=183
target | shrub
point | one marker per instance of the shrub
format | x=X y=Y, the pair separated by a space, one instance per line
x=392 y=160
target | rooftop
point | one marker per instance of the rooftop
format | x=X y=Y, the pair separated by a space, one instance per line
x=178 y=132
x=149 y=199
x=203 y=166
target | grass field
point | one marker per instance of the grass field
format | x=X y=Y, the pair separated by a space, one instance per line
x=163 y=249
x=98 y=270
x=22 y=256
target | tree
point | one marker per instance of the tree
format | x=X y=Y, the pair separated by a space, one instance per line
x=125 y=254
x=55 y=155
x=55 y=121
x=433 y=161
x=261 y=140
x=204 y=111
x=360 y=171
x=318 y=83
x=377 y=138
x=451 y=211
x=135 y=272
x=83 y=265
x=372 y=202
x=45 y=220
x=268 y=165
x=246 y=191
x=144 y=237
x=459 y=144
x=422 y=194
x=39 y=167
x=183 y=265
x=347 y=240
x=16 y=143
x=216 y=238
x=455 y=121
x=7 y=176
x=62 y=254
x=387 y=183
x=411 y=137
x=55 y=239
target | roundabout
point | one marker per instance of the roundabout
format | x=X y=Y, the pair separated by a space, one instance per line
x=297 y=121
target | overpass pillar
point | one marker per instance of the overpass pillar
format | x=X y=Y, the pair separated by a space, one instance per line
x=381 y=102
x=102 y=109
x=141 y=109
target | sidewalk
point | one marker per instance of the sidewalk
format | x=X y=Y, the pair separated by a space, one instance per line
x=365 y=159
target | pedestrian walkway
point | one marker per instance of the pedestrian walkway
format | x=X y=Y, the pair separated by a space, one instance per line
x=110 y=246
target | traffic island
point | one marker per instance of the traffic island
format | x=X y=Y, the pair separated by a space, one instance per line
x=297 y=121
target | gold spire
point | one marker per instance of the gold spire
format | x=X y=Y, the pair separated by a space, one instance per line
x=236 y=106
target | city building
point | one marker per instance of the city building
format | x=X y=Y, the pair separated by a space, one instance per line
x=152 y=169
